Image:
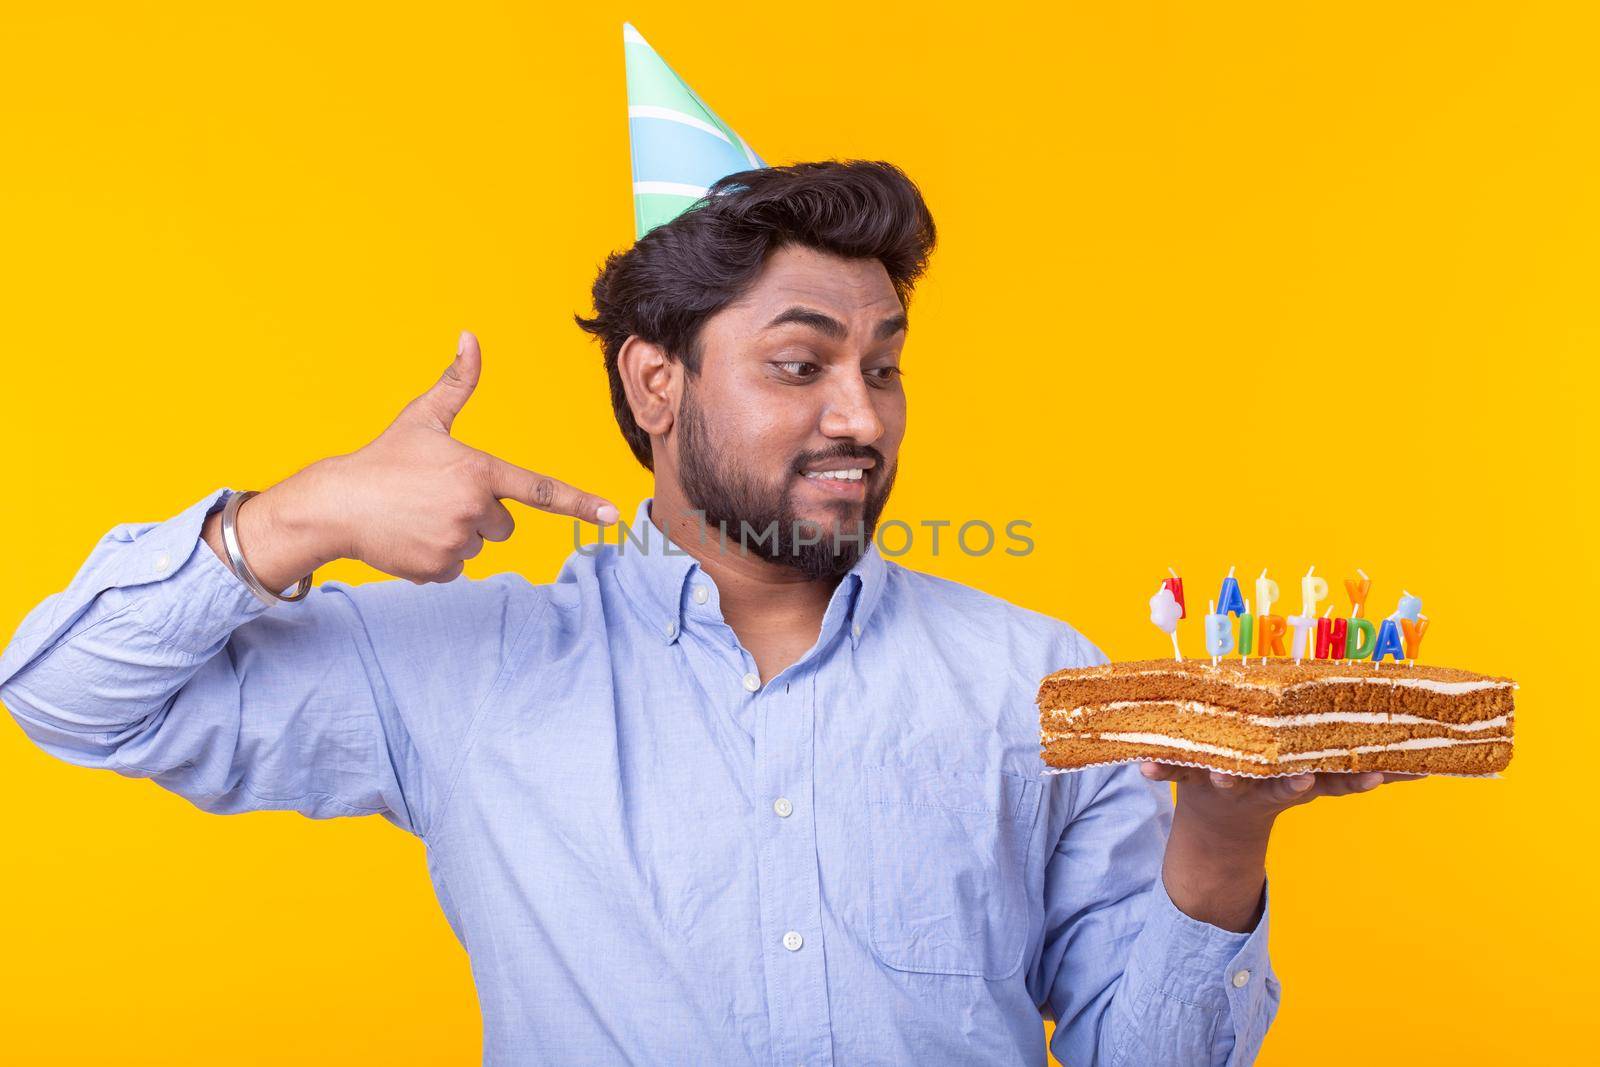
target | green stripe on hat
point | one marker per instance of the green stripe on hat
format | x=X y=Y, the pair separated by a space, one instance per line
x=652 y=82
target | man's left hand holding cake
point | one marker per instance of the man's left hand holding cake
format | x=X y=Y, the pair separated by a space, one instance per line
x=1215 y=863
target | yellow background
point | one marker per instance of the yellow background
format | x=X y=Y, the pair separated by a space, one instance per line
x=1267 y=284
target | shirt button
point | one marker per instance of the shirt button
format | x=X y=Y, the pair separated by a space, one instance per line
x=671 y=630
x=783 y=807
x=163 y=561
x=792 y=941
x=701 y=594
x=752 y=682
x=855 y=630
x=1241 y=979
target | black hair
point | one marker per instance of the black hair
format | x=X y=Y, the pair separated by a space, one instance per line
x=679 y=274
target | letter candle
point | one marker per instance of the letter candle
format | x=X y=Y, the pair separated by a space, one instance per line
x=1330 y=636
x=1176 y=585
x=1313 y=591
x=1219 y=634
x=1269 y=635
x=1302 y=626
x=1269 y=627
x=1266 y=593
x=1413 y=632
x=1230 y=599
x=1362 y=635
x=1388 y=643
x=1247 y=632
x=1358 y=592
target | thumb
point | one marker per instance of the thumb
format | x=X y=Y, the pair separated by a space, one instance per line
x=441 y=403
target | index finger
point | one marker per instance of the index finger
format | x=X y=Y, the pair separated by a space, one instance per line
x=511 y=482
x=1163 y=772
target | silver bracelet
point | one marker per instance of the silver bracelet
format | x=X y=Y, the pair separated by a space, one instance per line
x=230 y=540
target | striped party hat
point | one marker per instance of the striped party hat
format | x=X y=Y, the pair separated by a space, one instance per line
x=679 y=145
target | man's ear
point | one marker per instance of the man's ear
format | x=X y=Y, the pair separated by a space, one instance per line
x=651 y=382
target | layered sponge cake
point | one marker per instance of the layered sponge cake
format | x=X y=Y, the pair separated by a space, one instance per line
x=1275 y=717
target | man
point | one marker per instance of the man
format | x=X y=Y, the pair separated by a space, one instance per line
x=735 y=788
x=772 y=803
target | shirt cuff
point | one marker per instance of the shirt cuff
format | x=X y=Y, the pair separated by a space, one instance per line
x=1208 y=967
x=178 y=588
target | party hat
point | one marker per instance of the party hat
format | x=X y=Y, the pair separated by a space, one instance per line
x=679 y=145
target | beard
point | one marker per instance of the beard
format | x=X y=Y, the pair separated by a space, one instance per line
x=761 y=517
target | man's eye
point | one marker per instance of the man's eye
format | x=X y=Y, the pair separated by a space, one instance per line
x=797 y=367
x=883 y=374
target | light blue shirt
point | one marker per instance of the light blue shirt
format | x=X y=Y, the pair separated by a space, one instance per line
x=649 y=855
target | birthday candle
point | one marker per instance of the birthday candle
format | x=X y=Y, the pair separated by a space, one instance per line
x=1269 y=635
x=1247 y=632
x=1362 y=635
x=1302 y=625
x=1358 y=590
x=1405 y=614
x=1413 y=633
x=1230 y=599
x=1219 y=634
x=1165 y=613
x=1176 y=585
x=1313 y=591
x=1330 y=638
x=1388 y=643
x=1266 y=594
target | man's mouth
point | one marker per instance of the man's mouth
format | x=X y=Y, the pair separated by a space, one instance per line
x=841 y=477
x=843 y=474
x=838 y=468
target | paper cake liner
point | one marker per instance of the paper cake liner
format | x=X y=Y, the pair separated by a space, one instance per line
x=1048 y=769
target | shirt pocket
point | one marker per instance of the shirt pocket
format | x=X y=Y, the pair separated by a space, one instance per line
x=949 y=859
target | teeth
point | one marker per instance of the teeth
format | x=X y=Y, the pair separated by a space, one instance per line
x=852 y=474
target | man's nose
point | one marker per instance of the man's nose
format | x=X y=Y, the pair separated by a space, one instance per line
x=850 y=413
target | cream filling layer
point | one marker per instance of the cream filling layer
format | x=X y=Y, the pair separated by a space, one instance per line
x=1316 y=718
x=1183 y=743
x=1431 y=685
x=1375 y=678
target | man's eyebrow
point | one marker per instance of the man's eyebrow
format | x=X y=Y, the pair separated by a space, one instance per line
x=804 y=316
x=890 y=326
x=832 y=327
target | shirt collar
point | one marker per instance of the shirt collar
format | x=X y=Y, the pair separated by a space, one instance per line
x=660 y=576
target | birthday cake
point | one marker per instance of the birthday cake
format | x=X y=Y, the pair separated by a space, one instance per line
x=1329 y=702
x=1275 y=717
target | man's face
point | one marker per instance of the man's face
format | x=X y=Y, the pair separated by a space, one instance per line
x=795 y=418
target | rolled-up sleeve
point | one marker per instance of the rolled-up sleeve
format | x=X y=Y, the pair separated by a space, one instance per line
x=158 y=662
x=1131 y=979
